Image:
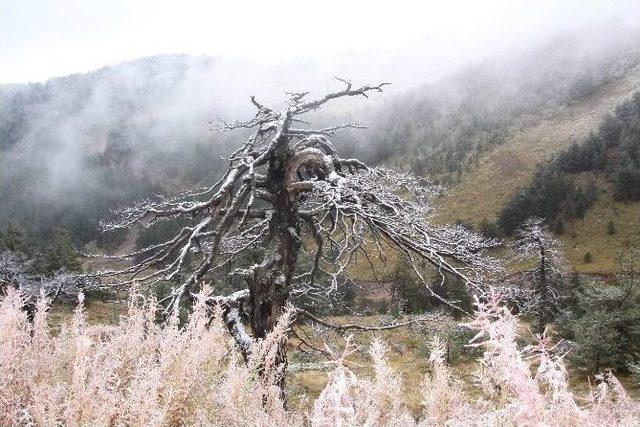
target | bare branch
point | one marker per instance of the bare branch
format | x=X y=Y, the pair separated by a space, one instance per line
x=353 y=326
x=286 y=191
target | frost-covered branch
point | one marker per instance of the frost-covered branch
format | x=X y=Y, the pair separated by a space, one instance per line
x=358 y=327
x=16 y=272
x=285 y=195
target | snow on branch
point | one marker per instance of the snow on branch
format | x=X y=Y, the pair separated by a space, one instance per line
x=339 y=209
x=16 y=272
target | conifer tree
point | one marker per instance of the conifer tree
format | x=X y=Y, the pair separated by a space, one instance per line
x=547 y=276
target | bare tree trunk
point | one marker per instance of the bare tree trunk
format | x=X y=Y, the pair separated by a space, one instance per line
x=268 y=298
x=543 y=315
x=269 y=293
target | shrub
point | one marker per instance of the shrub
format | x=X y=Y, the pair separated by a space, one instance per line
x=551 y=195
x=587 y=258
x=489 y=229
x=142 y=373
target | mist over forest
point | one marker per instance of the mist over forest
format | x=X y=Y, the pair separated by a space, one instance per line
x=75 y=147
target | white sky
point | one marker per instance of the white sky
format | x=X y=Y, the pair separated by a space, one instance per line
x=45 y=38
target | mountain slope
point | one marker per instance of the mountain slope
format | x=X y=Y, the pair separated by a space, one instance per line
x=75 y=147
x=483 y=191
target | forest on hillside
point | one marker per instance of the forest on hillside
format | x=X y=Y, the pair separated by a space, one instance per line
x=613 y=150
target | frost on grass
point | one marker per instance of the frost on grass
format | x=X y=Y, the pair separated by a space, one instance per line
x=140 y=372
x=134 y=373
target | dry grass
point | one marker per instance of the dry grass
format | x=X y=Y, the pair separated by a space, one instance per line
x=590 y=234
x=407 y=351
x=139 y=372
x=132 y=373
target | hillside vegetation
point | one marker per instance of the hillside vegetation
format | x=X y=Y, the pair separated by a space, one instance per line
x=504 y=170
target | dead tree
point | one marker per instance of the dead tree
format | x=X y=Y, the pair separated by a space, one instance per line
x=545 y=281
x=287 y=193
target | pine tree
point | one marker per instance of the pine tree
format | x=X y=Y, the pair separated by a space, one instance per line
x=60 y=254
x=13 y=239
x=596 y=340
x=547 y=277
x=604 y=326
